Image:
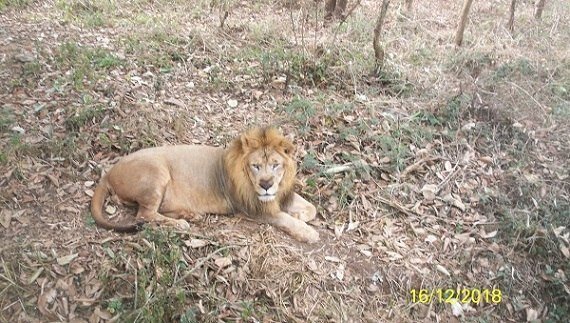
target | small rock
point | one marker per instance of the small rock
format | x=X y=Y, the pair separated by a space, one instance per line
x=24 y=57
x=361 y=98
x=110 y=209
x=468 y=127
x=232 y=103
x=174 y=101
x=486 y=159
x=19 y=130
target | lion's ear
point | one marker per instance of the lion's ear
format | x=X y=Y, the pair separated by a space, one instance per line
x=288 y=147
x=249 y=142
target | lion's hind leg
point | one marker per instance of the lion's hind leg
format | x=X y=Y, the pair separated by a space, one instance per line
x=152 y=216
x=149 y=203
x=144 y=183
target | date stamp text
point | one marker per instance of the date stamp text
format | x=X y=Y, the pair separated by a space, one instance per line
x=461 y=295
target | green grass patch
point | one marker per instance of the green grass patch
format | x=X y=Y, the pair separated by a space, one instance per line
x=90 y=14
x=161 y=49
x=393 y=83
x=298 y=67
x=421 y=56
x=451 y=114
x=86 y=64
x=560 y=84
x=530 y=235
x=520 y=67
x=31 y=69
x=469 y=62
x=6 y=119
x=396 y=143
x=153 y=295
x=309 y=162
x=14 y=147
x=301 y=109
x=158 y=289
x=81 y=116
x=16 y=4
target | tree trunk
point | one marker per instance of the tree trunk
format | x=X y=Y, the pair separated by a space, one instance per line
x=409 y=4
x=462 y=22
x=378 y=50
x=511 y=22
x=538 y=8
x=329 y=9
x=341 y=7
x=336 y=8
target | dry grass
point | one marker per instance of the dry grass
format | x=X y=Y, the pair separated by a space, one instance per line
x=447 y=170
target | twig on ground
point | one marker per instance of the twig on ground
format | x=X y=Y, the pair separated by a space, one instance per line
x=199 y=264
x=445 y=180
x=415 y=166
x=398 y=206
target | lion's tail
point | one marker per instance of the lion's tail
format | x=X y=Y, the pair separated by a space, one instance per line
x=101 y=193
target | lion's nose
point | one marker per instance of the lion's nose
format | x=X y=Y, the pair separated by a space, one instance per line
x=265 y=184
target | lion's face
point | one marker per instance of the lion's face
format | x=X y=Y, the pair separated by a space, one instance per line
x=266 y=168
x=261 y=166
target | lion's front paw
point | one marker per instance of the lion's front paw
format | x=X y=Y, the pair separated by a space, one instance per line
x=181 y=225
x=309 y=235
x=305 y=214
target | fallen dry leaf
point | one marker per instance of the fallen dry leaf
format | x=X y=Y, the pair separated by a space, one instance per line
x=338 y=230
x=353 y=225
x=332 y=259
x=430 y=238
x=486 y=159
x=35 y=276
x=489 y=235
x=454 y=200
x=429 y=191
x=174 y=101
x=45 y=299
x=103 y=314
x=564 y=250
x=62 y=261
x=196 y=243
x=5 y=218
x=340 y=272
x=223 y=262
x=456 y=309
x=442 y=270
x=531 y=314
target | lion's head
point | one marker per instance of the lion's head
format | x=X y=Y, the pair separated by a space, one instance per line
x=261 y=170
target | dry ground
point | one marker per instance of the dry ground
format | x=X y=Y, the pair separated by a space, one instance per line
x=447 y=170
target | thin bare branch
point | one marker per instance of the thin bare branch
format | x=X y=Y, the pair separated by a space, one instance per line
x=462 y=22
x=378 y=50
x=511 y=22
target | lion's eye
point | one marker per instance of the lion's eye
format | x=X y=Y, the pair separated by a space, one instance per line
x=255 y=167
x=275 y=166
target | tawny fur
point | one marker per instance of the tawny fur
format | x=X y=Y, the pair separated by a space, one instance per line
x=173 y=184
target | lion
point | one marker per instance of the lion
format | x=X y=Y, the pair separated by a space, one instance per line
x=254 y=176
